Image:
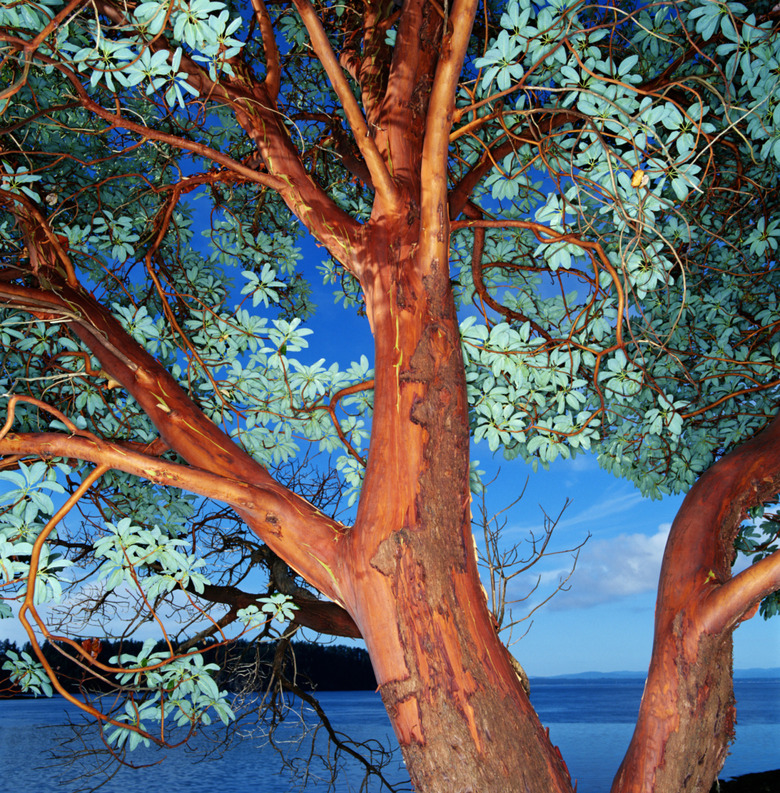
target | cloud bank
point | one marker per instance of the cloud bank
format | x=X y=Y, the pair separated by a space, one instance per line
x=612 y=569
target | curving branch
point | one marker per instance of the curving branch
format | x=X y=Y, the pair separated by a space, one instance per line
x=545 y=234
x=696 y=572
x=380 y=176
x=272 y=62
x=308 y=546
x=28 y=604
x=477 y=270
x=302 y=535
x=737 y=599
x=439 y=120
x=330 y=408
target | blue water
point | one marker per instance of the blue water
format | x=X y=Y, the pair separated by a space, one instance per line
x=590 y=720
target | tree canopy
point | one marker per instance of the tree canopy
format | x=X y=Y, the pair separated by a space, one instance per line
x=560 y=220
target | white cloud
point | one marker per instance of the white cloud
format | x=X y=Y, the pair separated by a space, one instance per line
x=608 y=507
x=610 y=569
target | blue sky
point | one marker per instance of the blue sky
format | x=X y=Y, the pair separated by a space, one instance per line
x=604 y=621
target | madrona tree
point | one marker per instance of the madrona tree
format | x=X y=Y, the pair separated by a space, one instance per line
x=560 y=220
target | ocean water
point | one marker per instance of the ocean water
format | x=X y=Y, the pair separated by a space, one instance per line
x=590 y=720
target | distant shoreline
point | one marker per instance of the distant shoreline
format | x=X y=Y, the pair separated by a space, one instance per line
x=772 y=673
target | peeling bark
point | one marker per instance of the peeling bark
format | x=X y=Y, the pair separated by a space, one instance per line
x=461 y=715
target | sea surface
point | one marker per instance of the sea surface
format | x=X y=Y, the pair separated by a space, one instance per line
x=590 y=720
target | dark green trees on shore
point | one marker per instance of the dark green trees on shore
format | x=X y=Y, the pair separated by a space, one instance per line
x=243 y=666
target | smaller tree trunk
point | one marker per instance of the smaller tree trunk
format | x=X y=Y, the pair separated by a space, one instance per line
x=687 y=715
x=686 y=719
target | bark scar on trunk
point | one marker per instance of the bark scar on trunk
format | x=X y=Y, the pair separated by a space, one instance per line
x=385 y=560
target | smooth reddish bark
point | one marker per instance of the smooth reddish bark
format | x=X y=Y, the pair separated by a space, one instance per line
x=416 y=594
x=686 y=719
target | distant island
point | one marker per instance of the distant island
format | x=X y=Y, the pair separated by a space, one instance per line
x=772 y=673
x=248 y=666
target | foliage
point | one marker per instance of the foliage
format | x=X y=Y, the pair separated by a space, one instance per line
x=687 y=267
x=650 y=172
x=135 y=558
x=758 y=540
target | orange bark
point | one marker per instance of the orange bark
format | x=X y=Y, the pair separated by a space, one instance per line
x=410 y=560
x=686 y=719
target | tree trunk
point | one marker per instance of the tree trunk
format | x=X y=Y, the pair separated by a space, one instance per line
x=687 y=715
x=686 y=718
x=407 y=570
x=463 y=720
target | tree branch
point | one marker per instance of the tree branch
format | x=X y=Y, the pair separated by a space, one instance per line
x=317 y=615
x=255 y=109
x=733 y=600
x=180 y=422
x=403 y=77
x=295 y=530
x=195 y=147
x=272 y=65
x=440 y=116
x=309 y=545
x=696 y=570
x=383 y=183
